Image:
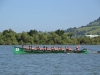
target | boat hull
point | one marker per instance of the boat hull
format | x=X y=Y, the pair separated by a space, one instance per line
x=18 y=50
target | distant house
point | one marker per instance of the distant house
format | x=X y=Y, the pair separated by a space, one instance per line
x=92 y=36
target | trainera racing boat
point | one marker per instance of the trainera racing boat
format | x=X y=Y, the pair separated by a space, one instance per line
x=19 y=50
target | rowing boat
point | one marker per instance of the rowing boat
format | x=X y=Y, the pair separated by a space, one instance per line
x=19 y=50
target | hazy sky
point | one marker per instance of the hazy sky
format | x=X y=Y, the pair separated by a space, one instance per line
x=47 y=15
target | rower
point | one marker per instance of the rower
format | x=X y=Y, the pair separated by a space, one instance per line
x=36 y=47
x=58 y=48
x=39 y=48
x=67 y=48
x=77 y=48
x=70 y=49
x=44 y=48
x=54 y=48
x=29 y=47
x=32 y=48
x=22 y=46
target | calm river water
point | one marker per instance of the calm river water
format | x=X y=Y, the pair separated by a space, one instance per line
x=49 y=64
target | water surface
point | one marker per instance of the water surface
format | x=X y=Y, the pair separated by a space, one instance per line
x=49 y=64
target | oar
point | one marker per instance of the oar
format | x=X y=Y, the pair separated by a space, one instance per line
x=85 y=48
x=91 y=50
x=88 y=49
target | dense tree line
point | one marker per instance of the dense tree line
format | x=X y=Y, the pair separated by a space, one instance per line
x=10 y=37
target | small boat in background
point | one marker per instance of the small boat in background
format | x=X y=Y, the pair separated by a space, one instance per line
x=19 y=50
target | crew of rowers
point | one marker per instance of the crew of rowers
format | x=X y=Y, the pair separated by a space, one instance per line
x=46 y=48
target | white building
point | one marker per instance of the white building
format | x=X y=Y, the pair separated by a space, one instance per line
x=92 y=36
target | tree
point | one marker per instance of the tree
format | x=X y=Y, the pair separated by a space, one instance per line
x=31 y=32
x=43 y=38
x=59 y=32
x=36 y=39
x=56 y=38
x=70 y=35
x=25 y=38
x=9 y=37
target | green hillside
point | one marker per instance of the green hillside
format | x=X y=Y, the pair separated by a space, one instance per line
x=91 y=28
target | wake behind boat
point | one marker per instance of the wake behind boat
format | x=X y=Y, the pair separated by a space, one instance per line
x=23 y=50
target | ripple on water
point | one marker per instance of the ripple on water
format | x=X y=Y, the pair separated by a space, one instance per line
x=48 y=64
